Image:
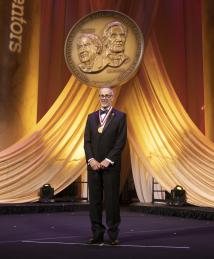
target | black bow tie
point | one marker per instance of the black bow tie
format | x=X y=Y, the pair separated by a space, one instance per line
x=103 y=112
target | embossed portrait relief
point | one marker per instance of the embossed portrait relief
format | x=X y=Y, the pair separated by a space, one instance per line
x=96 y=54
x=104 y=48
x=114 y=39
x=89 y=48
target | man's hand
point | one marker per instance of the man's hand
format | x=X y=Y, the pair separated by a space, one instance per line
x=95 y=165
x=104 y=164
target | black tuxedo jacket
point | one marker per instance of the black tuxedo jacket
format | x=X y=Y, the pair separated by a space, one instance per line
x=110 y=142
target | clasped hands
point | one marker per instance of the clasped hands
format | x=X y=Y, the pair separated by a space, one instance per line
x=95 y=165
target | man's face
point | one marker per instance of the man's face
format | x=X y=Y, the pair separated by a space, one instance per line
x=106 y=97
x=86 y=50
x=116 y=40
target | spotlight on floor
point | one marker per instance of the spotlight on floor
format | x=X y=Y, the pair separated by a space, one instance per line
x=46 y=193
x=177 y=196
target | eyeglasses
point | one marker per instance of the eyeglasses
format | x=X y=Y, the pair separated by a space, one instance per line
x=108 y=96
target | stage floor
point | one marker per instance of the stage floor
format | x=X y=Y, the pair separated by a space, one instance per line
x=188 y=211
x=64 y=235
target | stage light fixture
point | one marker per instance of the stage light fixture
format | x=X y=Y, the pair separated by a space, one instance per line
x=46 y=193
x=177 y=196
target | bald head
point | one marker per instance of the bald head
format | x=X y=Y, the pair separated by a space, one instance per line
x=106 y=97
x=106 y=90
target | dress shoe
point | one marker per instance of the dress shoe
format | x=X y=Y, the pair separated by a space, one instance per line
x=94 y=241
x=114 y=242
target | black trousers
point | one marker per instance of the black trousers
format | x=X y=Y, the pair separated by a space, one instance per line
x=104 y=185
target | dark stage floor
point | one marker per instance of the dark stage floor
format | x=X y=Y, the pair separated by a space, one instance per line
x=187 y=211
x=63 y=235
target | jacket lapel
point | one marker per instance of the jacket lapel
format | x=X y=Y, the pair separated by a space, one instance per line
x=110 y=118
x=97 y=120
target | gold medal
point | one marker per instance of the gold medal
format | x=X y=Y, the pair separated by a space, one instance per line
x=100 y=129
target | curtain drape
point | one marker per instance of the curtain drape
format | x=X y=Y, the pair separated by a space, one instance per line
x=208 y=63
x=163 y=140
x=53 y=152
x=178 y=29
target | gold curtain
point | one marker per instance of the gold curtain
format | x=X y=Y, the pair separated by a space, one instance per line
x=163 y=140
x=53 y=152
x=208 y=62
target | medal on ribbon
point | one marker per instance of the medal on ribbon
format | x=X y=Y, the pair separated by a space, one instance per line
x=103 y=121
x=100 y=129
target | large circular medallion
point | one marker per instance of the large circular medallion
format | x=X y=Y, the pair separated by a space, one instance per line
x=104 y=48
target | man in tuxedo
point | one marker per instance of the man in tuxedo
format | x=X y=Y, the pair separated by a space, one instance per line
x=104 y=140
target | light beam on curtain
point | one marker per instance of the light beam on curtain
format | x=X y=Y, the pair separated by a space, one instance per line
x=53 y=153
x=164 y=142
